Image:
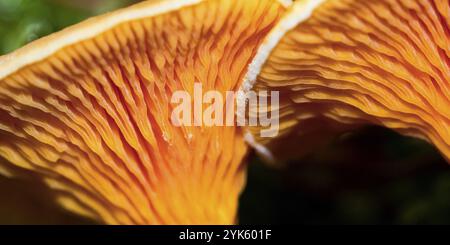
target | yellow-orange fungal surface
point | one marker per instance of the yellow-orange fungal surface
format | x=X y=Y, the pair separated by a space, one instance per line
x=93 y=118
x=356 y=62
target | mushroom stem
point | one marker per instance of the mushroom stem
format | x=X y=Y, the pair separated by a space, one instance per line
x=88 y=109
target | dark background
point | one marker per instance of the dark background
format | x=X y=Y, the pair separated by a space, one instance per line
x=368 y=176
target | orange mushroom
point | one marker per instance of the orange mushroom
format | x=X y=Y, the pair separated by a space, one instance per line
x=88 y=109
x=357 y=62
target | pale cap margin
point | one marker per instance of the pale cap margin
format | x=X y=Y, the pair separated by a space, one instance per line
x=45 y=47
x=300 y=11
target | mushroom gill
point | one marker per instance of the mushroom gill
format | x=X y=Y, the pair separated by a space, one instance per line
x=88 y=110
x=357 y=62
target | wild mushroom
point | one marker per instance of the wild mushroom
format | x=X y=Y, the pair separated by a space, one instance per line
x=88 y=110
x=357 y=62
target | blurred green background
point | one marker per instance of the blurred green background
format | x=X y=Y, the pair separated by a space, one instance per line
x=369 y=176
